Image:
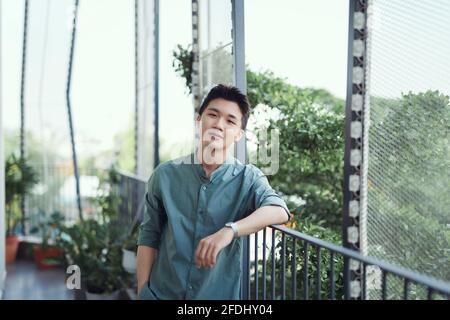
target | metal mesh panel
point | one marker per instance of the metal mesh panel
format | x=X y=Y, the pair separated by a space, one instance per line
x=47 y=141
x=47 y=137
x=215 y=56
x=408 y=212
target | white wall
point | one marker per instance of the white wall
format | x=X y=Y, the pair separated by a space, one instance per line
x=2 y=182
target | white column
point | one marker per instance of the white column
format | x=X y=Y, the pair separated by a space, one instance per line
x=146 y=89
x=2 y=182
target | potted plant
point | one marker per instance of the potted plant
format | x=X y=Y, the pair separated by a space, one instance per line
x=94 y=245
x=47 y=255
x=19 y=179
x=107 y=278
x=89 y=245
x=12 y=239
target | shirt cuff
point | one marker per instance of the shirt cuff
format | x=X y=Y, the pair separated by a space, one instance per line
x=148 y=241
x=275 y=201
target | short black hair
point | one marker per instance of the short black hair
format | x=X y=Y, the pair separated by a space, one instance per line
x=229 y=93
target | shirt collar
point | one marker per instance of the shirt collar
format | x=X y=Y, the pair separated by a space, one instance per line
x=224 y=170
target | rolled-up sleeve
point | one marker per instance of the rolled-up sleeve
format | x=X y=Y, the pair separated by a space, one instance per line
x=264 y=195
x=154 y=216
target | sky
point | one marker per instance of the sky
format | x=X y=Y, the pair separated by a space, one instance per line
x=304 y=41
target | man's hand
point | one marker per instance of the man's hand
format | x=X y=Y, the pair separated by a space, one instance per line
x=209 y=247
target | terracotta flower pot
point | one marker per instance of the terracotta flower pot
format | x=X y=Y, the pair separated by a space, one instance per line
x=47 y=259
x=12 y=244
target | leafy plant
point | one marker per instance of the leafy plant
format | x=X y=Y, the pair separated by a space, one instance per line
x=130 y=242
x=409 y=185
x=95 y=245
x=48 y=228
x=310 y=155
x=20 y=178
x=182 y=62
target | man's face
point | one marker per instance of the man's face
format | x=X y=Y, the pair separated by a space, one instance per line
x=220 y=124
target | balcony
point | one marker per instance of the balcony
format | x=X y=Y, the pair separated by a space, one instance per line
x=391 y=195
x=279 y=263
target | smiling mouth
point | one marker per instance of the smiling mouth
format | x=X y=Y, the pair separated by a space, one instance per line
x=215 y=136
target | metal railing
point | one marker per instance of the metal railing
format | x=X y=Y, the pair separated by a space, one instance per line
x=56 y=192
x=316 y=267
x=132 y=198
x=317 y=271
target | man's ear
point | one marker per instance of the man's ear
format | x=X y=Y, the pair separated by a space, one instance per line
x=239 y=135
x=197 y=121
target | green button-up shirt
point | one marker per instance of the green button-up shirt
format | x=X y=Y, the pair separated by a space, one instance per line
x=184 y=206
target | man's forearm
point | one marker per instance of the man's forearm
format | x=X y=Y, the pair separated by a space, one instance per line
x=145 y=259
x=210 y=246
x=261 y=218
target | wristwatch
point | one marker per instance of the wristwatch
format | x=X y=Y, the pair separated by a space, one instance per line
x=234 y=227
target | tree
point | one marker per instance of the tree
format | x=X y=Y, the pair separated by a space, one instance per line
x=409 y=207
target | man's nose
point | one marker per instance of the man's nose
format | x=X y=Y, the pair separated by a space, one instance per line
x=219 y=124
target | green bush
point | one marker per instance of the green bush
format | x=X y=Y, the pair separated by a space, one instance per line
x=310 y=126
x=410 y=207
x=412 y=145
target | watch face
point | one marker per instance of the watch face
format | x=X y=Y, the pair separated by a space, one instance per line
x=228 y=224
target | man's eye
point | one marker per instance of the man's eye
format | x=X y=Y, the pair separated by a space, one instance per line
x=212 y=115
x=229 y=121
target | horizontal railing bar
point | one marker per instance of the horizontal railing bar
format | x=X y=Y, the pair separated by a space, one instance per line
x=435 y=284
x=131 y=175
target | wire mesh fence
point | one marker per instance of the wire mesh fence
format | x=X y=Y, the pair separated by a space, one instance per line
x=408 y=213
x=55 y=192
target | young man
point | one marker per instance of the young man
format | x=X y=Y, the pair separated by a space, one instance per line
x=198 y=207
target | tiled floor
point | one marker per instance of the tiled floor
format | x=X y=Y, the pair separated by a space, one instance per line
x=24 y=281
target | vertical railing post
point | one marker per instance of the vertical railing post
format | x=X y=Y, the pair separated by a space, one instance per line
x=156 y=84
x=69 y=110
x=348 y=144
x=2 y=178
x=272 y=275
x=136 y=87
x=256 y=266
x=240 y=76
x=264 y=264
x=355 y=155
x=196 y=86
x=22 y=107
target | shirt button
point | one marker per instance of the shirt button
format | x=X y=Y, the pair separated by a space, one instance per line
x=190 y=287
x=204 y=188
